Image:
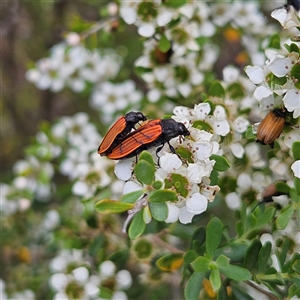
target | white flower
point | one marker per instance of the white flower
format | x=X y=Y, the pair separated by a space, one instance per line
x=255 y=74
x=296 y=168
x=287 y=17
x=81 y=274
x=107 y=269
x=196 y=203
x=123 y=279
x=185 y=216
x=233 y=201
x=291 y=101
x=170 y=162
x=173 y=213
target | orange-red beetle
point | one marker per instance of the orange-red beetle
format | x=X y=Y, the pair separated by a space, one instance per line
x=270 y=127
x=119 y=130
x=152 y=134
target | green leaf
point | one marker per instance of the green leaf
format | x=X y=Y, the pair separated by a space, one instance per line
x=215 y=279
x=137 y=226
x=240 y=293
x=202 y=125
x=284 y=217
x=201 y=264
x=223 y=261
x=265 y=218
x=163 y=196
x=194 y=286
x=264 y=257
x=217 y=90
x=249 y=133
x=275 y=42
x=235 y=251
x=164 y=44
x=174 y=4
x=295 y=73
x=214 y=231
x=296 y=150
x=159 y=210
x=157 y=185
x=239 y=228
x=107 y=206
x=235 y=273
x=282 y=187
x=251 y=258
x=283 y=251
x=145 y=155
x=296 y=266
x=221 y=164
x=144 y=172
x=293 y=290
x=132 y=197
x=189 y=257
x=170 y=262
x=297 y=185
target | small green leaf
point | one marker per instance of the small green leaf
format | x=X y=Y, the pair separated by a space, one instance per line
x=164 y=44
x=214 y=231
x=239 y=293
x=217 y=90
x=194 y=286
x=283 y=251
x=215 y=279
x=145 y=155
x=131 y=197
x=174 y=4
x=284 y=217
x=265 y=218
x=295 y=73
x=223 y=261
x=107 y=206
x=189 y=257
x=157 y=185
x=144 y=172
x=297 y=185
x=249 y=133
x=221 y=164
x=163 y=196
x=236 y=273
x=251 y=258
x=170 y=262
x=159 y=210
x=202 y=125
x=264 y=257
x=296 y=266
x=147 y=214
x=282 y=187
x=137 y=226
x=235 y=251
x=201 y=264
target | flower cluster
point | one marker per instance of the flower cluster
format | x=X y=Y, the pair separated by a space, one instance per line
x=110 y=98
x=191 y=180
x=74 y=67
x=73 y=278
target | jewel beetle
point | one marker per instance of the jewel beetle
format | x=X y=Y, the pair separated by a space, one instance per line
x=119 y=130
x=270 y=127
x=154 y=133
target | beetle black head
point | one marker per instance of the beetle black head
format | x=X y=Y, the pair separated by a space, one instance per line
x=171 y=129
x=134 y=117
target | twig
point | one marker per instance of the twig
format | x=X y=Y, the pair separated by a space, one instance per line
x=97 y=26
x=162 y=243
x=131 y=213
x=269 y=295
